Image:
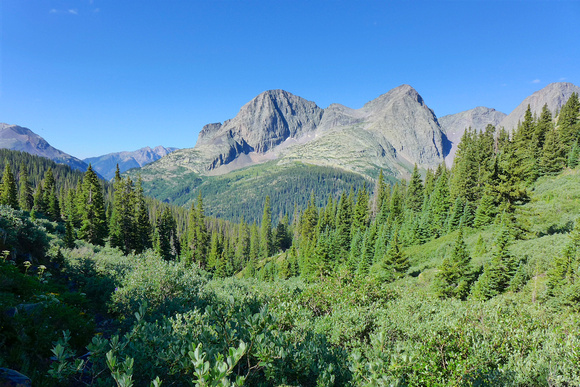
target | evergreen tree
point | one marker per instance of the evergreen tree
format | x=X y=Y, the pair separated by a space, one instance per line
x=396 y=263
x=142 y=224
x=360 y=216
x=344 y=222
x=354 y=256
x=26 y=200
x=498 y=272
x=543 y=127
x=266 y=231
x=197 y=235
x=166 y=241
x=569 y=123
x=452 y=279
x=552 y=158
x=122 y=227
x=282 y=240
x=465 y=172
x=439 y=205
x=564 y=274
x=415 y=194
x=50 y=199
x=92 y=209
x=309 y=219
x=456 y=214
x=8 y=192
x=485 y=213
x=379 y=194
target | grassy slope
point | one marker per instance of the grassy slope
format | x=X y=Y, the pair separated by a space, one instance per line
x=549 y=216
x=242 y=192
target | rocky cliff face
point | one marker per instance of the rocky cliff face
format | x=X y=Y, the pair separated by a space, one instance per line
x=106 y=165
x=22 y=139
x=555 y=95
x=262 y=124
x=403 y=118
x=454 y=125
x=394 y=131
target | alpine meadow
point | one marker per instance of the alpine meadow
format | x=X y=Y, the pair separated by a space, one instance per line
x=289 y=193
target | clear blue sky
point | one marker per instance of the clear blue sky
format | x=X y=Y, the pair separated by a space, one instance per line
x=100 y=76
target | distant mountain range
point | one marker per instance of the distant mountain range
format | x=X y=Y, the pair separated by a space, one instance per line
x=392 y=132
x=16 y=137
x=106 y=165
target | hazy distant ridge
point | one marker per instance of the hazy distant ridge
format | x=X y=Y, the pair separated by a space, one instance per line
x=106 y=165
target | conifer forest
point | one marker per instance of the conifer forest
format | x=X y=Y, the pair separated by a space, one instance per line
x=467 y=275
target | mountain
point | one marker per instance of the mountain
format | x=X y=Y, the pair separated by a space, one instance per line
x=555 y=95
x=391 y=132
x=454 y=125
x=15 y=137
x=106 y=165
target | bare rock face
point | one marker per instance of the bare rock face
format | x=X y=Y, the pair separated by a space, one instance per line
x=404 y=119
x=22 y=139
x=392 y=132
x=555 y=95
x=106 y=165
x=454 y=125
x=262 y=124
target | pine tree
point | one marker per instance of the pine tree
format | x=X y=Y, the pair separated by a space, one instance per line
x=552 y=158
x=309 y=219
x=142 y=224
x=456 y=214
x=439 y=205
x=569 y=122
x=344 y=222
x=266 y=231
x=452 y=279
x=26 y=200
x=485 y=213
x=396 y=263
x=92 y=209
x=360 y=216
x=166 y=241
x=498 y=272
x=565 y=271
x=415 y=193
x=122 y=227
x=8 y=192
x=378 y=194
x=50 y=197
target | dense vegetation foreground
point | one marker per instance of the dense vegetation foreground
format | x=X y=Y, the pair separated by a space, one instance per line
x=468 y=276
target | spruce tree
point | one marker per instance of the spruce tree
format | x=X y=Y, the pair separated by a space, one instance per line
x=498 y=272
x=439 y=205
x=8 y=192
x=565 y=270
x=143 y=229
x=396 y=263
x=415 y=193
x=93 y=219
x=552 y=159
x=452 y=279
x=266 y=231
x=344 y=222
x=26 y=200
x=166 y=241
x=360 y=216
x=569 y=122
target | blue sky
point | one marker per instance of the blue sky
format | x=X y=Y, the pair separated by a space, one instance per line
x=100 y=76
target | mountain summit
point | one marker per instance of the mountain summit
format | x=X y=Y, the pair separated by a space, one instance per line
x=392 y=132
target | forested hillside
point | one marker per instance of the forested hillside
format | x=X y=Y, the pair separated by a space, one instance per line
x=461 y=276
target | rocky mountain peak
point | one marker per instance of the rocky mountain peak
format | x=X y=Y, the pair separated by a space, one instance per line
x=555 y=95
